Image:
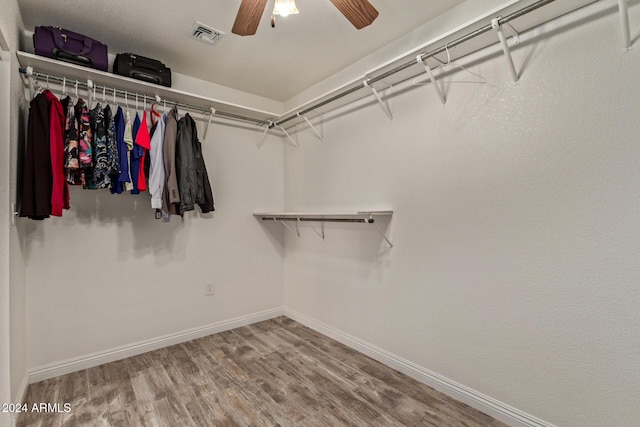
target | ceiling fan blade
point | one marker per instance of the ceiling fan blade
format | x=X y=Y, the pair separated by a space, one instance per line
x=359 y=12
x=248 y=17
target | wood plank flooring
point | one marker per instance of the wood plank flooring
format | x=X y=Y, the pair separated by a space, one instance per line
x=273 y=373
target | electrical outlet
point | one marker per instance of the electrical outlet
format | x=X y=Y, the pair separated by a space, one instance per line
x=209 y=289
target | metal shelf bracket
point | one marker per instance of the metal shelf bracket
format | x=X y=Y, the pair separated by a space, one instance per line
x=380 y=101
x=624 y=21
x=312 y=127
x=433 y=79
x=295 y=144
x=495 y=24
x=206 y=126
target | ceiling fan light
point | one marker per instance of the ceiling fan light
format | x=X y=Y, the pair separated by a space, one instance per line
x=285 y=8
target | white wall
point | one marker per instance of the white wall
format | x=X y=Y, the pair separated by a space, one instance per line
x=5 y=337
x=13 y=371
x=17 y=265
x=108 y=274
x=515 y=267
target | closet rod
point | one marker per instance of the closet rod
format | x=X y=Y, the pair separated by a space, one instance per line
x=358 y=220
x=122 y=93
x=369 y=81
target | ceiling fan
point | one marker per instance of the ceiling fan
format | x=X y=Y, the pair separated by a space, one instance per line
x=359 y=12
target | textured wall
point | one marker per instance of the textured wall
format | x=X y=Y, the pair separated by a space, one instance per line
x=515 y=267
x=5 y=368
x=18 y=269
x=12 y=283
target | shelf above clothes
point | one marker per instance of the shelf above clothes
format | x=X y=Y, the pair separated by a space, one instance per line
x=517 y=15
x=362 y=217
x=59 y=70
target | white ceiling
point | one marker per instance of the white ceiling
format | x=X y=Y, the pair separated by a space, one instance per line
x=276 y=63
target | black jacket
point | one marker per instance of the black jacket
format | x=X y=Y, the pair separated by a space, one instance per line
x=37 y=173
x=193 y=180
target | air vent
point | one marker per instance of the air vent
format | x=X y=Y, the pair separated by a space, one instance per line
x=206 y=33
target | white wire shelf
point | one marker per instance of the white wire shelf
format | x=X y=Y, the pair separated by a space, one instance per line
x=74 y=73
x=362 y=217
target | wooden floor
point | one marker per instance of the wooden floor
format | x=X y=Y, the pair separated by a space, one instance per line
x=273 y=373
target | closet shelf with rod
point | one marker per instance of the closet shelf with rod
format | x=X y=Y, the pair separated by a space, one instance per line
x=56 y=71
x=518 y=16
x=360 y=217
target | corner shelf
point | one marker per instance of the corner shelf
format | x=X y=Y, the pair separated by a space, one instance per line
x=363 y=217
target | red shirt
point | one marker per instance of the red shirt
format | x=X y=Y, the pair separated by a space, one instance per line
x=60 y=188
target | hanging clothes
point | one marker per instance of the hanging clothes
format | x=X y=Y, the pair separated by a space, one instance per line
x=171 y=193
x=85 y=144
x=156 y=169
x=99 y=176
x=128 y=139
x=119 y=179
x=193 y=180
x=135 y=156
x=37 y=176
x=71 y=145
x=143 y=143
x=44 y=192
x=113 y=164
x=59 y=188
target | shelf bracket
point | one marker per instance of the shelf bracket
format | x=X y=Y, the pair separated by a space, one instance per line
x=264 y=134
x=206 y=126
x=321 y=232
x=29 y=73
x=380 y=101
x=371 y=221
x=624 y=21
x=287 y=226
x=312 y=127
x=295 y=144
x=14 y=214
x=91 y=96
x=495 y=24
x=433 y=79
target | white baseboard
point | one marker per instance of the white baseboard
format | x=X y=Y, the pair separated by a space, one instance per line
x=88 y=361
x=490 y=406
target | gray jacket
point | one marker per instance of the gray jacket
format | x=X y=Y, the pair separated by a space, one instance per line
x=193 y=180
x=171 y=194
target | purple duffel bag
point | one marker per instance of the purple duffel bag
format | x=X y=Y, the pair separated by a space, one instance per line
x=65 y=45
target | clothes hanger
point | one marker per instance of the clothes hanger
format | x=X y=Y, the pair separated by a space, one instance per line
x=444 y=65
x=37 y=86
x=154 y=114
